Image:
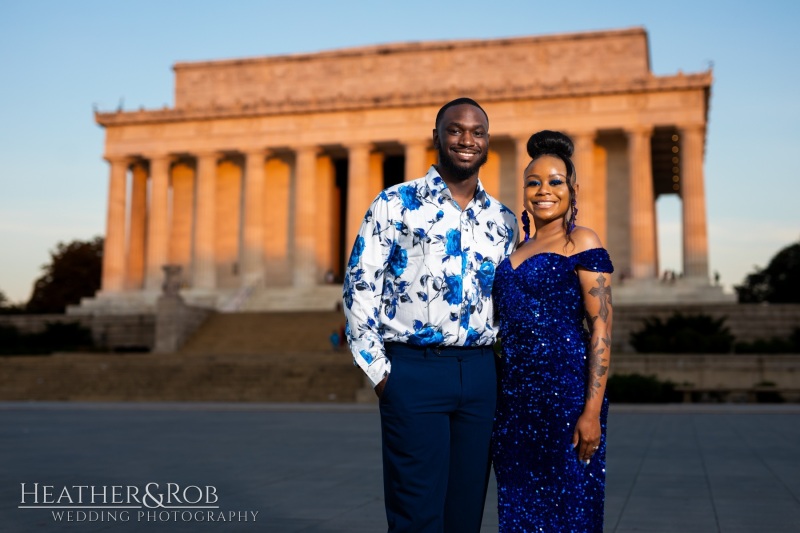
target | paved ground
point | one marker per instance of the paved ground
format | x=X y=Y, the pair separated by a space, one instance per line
x=316 y=468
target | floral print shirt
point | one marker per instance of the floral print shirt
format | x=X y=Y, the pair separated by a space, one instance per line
x=421 y=271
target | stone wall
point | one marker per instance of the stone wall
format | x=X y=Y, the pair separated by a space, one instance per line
x=727 y=370
x=110 y=332
x=747 y=322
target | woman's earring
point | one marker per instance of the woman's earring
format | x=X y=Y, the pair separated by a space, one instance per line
x=573 y=216
x=526 y=224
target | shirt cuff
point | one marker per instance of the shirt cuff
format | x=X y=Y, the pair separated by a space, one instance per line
x=378 y=370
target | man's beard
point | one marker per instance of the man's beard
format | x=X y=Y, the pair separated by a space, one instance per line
x=456 y=172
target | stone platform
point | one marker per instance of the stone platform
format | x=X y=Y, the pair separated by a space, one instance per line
x=316 y=468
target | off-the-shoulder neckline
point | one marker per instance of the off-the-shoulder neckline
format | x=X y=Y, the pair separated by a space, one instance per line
x=550 y=253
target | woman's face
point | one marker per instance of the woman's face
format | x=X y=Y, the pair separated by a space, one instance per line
x=546 y=192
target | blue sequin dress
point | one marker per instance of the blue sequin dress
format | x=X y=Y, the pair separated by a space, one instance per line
x=542 y=486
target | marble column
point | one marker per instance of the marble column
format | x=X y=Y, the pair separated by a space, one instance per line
x=304 y=272
x=114 y=246
x=695 y=237
x=327 y=218
x=137 y=227
x=253 y=234
x=375 y=174
x=358 y=198
x=591 y=198
x=642 y=205
x=204 y=264
x=158 y=220
x=416 y=159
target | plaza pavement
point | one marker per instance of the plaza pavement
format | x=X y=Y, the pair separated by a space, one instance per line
x=316 y=468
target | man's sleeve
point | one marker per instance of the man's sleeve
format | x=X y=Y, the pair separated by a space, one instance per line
x=362 y=291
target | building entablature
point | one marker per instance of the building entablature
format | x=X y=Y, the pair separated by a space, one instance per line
x=537 y=91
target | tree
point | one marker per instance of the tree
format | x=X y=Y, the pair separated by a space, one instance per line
x=73 y=273
x=778 y=283
x=8 y=308
x=681 y=333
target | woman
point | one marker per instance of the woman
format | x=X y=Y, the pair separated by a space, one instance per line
x=549 y=435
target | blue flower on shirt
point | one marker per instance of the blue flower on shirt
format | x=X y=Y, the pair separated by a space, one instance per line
x=398 y=260
x=426 y=336
x=452 y=289
x=472 y=337
x=358 y=249
x=485 y=275
x=348 y=292
x=408 y=195
x=366 y=355
x=453 y=243
x=419 y=236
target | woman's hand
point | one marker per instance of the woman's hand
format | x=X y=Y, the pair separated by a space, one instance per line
x=586 y=439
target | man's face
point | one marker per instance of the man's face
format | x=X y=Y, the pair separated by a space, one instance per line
x=462 y=140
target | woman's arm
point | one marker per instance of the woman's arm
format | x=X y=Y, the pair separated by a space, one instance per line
x=596 y=288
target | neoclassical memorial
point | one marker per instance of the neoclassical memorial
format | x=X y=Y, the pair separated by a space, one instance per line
x=257 y=180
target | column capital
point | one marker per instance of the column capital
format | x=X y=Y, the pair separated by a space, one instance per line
x=159 y=156
x=424 y=143
x=692 y=128
x=639 y=130
x=356 y=146
x=207 y=154
x=120 y=159
x=307 y=148
x=522 y=139
x=583 y=135
x=257 y=152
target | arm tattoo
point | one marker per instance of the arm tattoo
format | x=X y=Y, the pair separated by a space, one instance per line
x=604 y=294
x=598 y=365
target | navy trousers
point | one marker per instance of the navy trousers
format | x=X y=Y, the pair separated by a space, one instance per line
x=437 y=410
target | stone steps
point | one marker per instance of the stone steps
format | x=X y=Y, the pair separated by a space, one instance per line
x=259 y=333
x=257 y=356
x=310 y=377
x=317 y=298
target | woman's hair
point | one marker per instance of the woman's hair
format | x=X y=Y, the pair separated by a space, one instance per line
x=556 y=144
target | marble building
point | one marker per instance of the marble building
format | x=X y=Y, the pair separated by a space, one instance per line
x=256 y=180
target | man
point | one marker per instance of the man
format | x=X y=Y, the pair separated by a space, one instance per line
x=417 y=296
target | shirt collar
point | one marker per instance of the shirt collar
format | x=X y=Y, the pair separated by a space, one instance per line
x=439 y=189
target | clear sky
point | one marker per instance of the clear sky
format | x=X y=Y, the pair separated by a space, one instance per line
x=59 y=59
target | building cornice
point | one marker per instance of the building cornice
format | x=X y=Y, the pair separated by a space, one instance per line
x=563 y=89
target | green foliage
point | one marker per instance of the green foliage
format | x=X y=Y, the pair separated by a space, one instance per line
x=56 y=337
x=767 y=396
x=7 y=308
x=773 y=345
x=778 y=283
x=636 y=388
x=683 y=334
x=73 y=273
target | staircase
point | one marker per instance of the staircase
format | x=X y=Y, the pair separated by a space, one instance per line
x=318 y=297
x=246 y=357
x=291 y=351
x=266 y=333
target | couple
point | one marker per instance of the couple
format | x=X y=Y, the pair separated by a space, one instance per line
x=435 y=261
